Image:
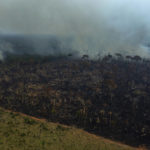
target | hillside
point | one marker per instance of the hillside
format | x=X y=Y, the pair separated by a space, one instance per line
x=21 y=132
x=109 y=96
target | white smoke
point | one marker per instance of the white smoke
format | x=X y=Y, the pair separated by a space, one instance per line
x=5 y=47
x=92 y=26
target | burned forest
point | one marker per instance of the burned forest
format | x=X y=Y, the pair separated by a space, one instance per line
x=109 y=96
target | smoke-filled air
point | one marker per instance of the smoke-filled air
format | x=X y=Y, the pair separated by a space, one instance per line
x=93 y=27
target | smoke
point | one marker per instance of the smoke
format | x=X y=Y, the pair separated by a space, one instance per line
x=5 y=47
x=86 y=26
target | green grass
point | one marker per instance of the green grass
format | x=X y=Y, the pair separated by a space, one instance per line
x=20 y=132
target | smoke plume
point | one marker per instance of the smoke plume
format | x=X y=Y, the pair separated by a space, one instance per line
x=87 y=26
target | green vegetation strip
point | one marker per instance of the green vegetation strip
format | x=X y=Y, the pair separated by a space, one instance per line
x=20 y=132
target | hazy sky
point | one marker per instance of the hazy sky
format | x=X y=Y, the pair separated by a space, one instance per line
x=94 y=25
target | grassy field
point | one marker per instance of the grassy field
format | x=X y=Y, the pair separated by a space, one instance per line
x=21 y=132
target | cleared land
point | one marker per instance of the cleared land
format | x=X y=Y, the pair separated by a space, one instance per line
x=22 y=132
